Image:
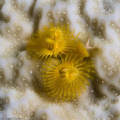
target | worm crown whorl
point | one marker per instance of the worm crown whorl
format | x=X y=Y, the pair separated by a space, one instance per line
x=67 y=77
x=50 y=42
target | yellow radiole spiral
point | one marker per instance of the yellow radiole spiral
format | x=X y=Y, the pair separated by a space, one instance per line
x=50 y=42
x=67 y=78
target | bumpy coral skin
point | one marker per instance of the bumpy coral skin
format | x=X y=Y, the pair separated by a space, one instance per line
x=97 y=19
x=67 y=78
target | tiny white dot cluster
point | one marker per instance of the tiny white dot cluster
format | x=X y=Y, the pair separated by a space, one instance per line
x=21 y=93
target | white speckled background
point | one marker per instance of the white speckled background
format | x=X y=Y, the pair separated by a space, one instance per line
x=21 y=93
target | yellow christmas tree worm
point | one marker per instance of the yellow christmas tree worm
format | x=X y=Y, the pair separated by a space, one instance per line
x=78 y=49
x=50 y=42
x=67 y=77
x=65 y=72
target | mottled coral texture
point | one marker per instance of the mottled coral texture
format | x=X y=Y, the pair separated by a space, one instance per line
x=21 y=93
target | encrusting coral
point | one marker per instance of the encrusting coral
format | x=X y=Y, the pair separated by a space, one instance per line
x=20 y=89
x=65 y=71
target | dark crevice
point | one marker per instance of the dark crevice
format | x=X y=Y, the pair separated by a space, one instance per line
x=31 y=9
x=3 y=103
x=37 y=18
x=81 y=7
x=3 y=18
x=96 y=86
x=97 y=28
x=1 y=3
x=114 y=90
x=94 y=24
x=64 y=0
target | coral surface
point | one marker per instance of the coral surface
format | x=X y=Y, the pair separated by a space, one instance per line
x=21 y=91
